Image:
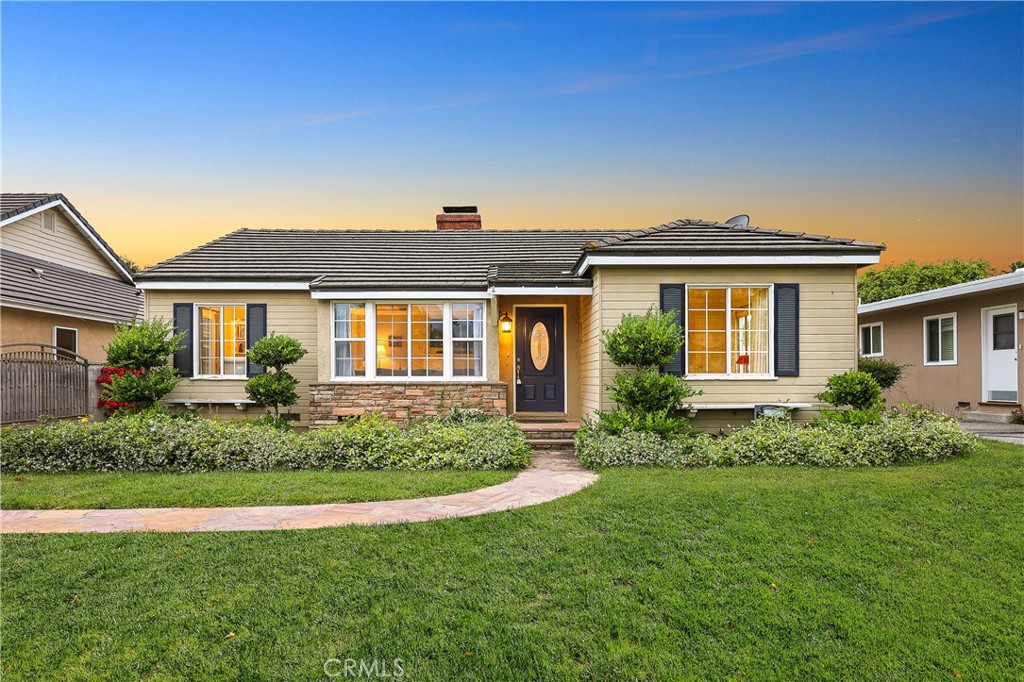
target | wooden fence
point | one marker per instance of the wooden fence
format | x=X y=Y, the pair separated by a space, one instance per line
x=37 y=380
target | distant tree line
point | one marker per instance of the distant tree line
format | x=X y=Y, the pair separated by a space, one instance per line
x=901 y=279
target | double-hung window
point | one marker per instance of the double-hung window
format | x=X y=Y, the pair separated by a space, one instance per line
x=871 y=340
x=728 y=331
x=414 y=340
x=940 y=339
x=221 y=348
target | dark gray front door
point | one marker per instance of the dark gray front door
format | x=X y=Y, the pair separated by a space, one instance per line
x=540 y=360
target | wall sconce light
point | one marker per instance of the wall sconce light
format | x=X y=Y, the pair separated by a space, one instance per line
x=505 y=322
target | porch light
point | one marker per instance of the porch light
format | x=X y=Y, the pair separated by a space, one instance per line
x=505 y=322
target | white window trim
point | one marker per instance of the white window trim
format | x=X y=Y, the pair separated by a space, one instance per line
x=860 y=338
x=924 y=340
x=728 y=336
x=67 y=329
x=371 y=345
x=195 y=343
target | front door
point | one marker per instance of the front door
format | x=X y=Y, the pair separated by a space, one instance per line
x=540 y=360
x=1000 y=355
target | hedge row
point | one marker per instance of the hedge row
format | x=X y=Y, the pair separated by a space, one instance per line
x=897 y=438
x=158 y=442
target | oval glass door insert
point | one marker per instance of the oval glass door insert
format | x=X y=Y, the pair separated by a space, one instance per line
x=539 y=345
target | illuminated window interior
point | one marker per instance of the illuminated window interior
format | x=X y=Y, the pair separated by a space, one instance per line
x=727 y=330
x=222 y=340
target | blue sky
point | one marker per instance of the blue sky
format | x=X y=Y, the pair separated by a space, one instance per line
x=885 y=121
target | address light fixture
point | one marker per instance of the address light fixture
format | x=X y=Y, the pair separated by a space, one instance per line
x=505 y=322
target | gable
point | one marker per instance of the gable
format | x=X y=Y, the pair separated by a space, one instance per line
x=66 y=245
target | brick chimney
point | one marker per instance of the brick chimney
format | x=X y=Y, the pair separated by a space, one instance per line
x=459 y=218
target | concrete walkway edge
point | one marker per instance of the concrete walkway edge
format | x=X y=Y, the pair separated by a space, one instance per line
x=548 y=479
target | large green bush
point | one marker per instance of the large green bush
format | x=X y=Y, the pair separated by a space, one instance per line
x=649 y=391
x=143 y=347
x=647 y=340
x=912 y=435
x=155 y=441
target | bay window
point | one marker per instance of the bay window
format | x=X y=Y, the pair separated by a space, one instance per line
x=408 y=340
x=221 y=348
x=728 y=331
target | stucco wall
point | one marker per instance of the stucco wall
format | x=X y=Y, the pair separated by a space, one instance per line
x=943 y=387
x=23 y=326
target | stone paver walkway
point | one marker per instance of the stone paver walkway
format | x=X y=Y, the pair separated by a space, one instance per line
x=1007 y=433
x=549 y=478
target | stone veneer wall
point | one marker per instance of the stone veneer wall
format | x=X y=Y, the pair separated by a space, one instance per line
x=402 y=402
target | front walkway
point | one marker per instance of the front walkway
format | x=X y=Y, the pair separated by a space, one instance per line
x=1007 y=433
x=549 y=478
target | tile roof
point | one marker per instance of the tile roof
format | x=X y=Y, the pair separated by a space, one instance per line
x=396 y=259
x=14 y=204
x=36 y=282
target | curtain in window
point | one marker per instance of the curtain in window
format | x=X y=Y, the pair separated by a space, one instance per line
x=222 y=340
x=727 y=330
x=349 y=339
x=467 y=339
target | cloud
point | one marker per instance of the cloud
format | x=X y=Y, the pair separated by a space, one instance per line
x=736 y=59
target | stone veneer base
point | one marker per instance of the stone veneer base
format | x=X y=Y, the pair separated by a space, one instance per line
x=402 y=401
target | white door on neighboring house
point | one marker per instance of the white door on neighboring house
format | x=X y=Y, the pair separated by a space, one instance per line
x=999 y=355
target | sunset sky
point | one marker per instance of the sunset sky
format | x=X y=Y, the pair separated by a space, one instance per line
x=169 y=125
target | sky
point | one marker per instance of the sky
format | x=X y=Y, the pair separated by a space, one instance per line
x=169 y=125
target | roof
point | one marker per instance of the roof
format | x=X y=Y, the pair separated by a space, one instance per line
x=14 y=206
x=1012 y=279
x=441 y=259
x=26 y=281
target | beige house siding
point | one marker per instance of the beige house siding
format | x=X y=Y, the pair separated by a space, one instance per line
x=292 y=313
x=66 y=246
x=590 y=351
x=828 y=313
x=944 y=387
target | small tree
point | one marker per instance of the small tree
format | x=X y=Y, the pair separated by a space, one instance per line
x=142 y=348
x=274 y=389
x=647 y=397
x=886 y=372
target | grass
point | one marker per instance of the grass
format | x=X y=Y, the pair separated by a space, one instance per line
x=229 y=488
x=913 y=572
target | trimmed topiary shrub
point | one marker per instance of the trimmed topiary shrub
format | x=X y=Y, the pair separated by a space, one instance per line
x=275 y=388
x=648 y=340
x=886 y=372
x=649 y=391
x=142 y=349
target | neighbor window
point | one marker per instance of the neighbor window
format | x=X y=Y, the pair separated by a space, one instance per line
x=221 y=340
x=412 y=340
x=940 y=340
x=871 y=339
x=66 y=339
x=727 y=331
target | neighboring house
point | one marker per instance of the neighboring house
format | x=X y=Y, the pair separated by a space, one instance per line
x=60 y=283
x=962 y=343
x=409 y=323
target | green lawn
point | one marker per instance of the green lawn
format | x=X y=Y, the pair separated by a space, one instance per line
x=909 y=573
x=230 y=488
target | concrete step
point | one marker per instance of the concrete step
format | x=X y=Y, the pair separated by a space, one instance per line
x=986 y=417
x=536 y=436
x=567 y=444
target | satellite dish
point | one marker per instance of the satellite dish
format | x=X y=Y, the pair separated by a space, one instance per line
x=742 y=220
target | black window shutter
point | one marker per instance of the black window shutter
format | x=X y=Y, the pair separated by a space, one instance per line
x=255 y=329
x=787 y=330
x=183 y=323
x=673 y=299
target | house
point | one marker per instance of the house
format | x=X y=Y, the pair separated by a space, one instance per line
x=60 y=283
x=409 y=323
x=962 y=344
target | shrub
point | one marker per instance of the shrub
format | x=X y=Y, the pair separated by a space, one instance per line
x=141 y=349
x=1017 y=416
x=912 y=435
x=647 y=340
x=157 y=441
x=274 y=389
x=886 y=372
x=854 y=388
x=649 y=390
x=661 y=423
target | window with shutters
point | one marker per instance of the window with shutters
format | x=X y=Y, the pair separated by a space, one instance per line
x=728 y=331
x=220 y=341
x=940 y=339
